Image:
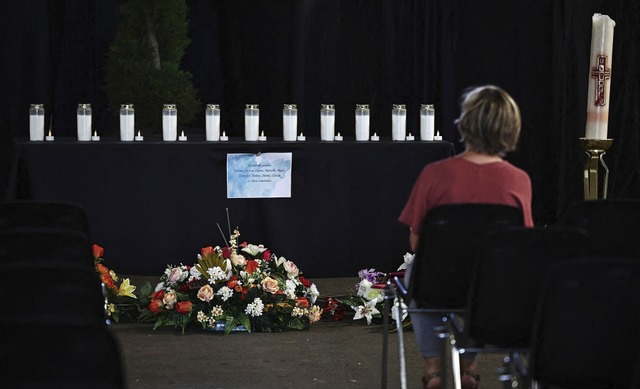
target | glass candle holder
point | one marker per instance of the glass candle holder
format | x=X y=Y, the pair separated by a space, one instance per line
x=251 y=122
x=327 y=122
x=169 y=122
x=83 y=116
x=289 y=122
x=399 y=122
x=36 y=122
x=427 y=121
x=127 y=121
x=362 y=122
x=212 y=122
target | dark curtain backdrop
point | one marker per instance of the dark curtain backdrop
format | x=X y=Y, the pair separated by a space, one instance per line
x=348 y=52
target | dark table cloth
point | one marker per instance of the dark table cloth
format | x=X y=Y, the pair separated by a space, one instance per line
x=154 y=203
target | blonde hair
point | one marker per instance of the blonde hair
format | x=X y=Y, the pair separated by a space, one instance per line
x=489 y=121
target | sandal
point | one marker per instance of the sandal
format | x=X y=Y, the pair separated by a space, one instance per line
x=471 y=381
x=429 y=377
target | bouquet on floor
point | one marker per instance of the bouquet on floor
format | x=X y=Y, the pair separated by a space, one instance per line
x=237 y=287
x=120 y=294
x=368 y=302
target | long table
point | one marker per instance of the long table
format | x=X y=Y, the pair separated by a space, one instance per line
x=154 y=203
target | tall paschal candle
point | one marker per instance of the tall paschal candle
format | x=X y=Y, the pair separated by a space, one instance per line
x=599 y=76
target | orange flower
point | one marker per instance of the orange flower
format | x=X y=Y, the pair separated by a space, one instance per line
x=102 y=269
x=98 y=251
x=108 y=281
x=206 y=251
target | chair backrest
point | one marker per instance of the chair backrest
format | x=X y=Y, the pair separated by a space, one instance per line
x=43 y=216
x=586 y=328
x=614 y=225
x=447 y=246
x=510 y=267
x=29 y=249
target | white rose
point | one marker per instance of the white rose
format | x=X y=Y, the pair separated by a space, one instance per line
x=238 y=260
x=291 y=269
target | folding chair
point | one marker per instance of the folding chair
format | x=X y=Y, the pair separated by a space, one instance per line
x=614 y=225
x=441 y=271
x=504 y=291
x=586 y=326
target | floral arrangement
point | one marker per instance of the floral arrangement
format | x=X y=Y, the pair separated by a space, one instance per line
x=241 y=286
x=121 y=300
x=367 y=301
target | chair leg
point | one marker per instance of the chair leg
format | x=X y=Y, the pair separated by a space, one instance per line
x=385 y=336
x=403 y=369
x=455 y=362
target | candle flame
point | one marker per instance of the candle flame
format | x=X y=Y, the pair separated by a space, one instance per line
x=95 y=133
x=49 y=132
x=138 y=133
x=182 y=133
x=224 y=133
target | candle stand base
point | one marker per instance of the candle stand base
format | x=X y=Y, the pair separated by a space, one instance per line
x=595 y=189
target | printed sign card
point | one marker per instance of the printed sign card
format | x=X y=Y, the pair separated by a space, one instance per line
x=265 y=175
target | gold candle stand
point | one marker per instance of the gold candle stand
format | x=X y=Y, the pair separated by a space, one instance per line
x=595 y=149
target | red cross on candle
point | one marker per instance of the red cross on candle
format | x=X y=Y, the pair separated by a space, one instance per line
x=601 y=74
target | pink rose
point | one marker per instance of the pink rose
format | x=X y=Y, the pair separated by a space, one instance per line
x=270 y=285
x=175 y=275
x=205 y=293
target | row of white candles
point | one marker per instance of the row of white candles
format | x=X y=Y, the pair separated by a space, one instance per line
x=252 y=123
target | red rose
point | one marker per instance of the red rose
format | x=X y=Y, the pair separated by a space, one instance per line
x=226 y=252
x=159 y=295
x=155 y=306
x=302 y=302
x=183 y=307
x=266 y=255
x=243 y=244
x=251 y=266
x=304 y=282
x=98 y=251
x=206 y=251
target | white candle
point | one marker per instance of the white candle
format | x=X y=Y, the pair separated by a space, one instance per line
x=224 y=136
x=327 y=122
x=399 y=122
x=375 y=137
x=410 y=137
x=599 y=76
x=338 y=137
x=182 y=137
x=437 y=136
x=301 y=137
x=95 y=136
x=262 y=138
x=139 y=137
x=49 y=137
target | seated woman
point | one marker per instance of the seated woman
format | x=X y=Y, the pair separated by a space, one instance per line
x=490 y=126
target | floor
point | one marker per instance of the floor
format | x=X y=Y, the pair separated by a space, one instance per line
x=333 y=354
